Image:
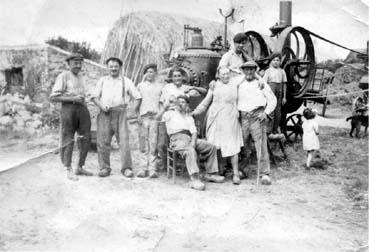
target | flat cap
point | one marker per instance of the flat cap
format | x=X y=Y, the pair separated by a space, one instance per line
x=148 y=66
x=239 y=37
x=249 y=64
x=74 y=56
x=120 y=62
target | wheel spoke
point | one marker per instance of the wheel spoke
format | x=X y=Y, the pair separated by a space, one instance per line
x=293 y=121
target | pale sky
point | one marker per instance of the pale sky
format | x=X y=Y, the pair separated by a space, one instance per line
x=24 y=21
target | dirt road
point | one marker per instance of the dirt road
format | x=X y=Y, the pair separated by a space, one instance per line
x=302 y=211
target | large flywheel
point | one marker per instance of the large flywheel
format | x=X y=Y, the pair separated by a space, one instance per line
x=298 y=58
x=257 y=48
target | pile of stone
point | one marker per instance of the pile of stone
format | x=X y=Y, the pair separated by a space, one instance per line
x=18 y=112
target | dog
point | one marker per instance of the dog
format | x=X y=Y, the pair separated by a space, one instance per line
x=356 y=122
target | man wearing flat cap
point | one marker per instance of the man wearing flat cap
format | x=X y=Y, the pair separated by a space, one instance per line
x=69 y=90
x=236 y=56
x=150 y=89
x=111 y=95
x=256 y=102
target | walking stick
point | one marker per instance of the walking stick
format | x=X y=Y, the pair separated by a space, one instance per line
x=258 y=154
x=258 y=171
x=148 y=148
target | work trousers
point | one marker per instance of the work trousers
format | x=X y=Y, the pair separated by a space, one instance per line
x=276 y=115
x=113 y=122
x=207 y=151
x=74 y=118
x=258 y=131
x=163 y=143
x=149 y=136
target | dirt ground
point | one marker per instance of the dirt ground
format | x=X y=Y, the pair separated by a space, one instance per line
x=315 y=210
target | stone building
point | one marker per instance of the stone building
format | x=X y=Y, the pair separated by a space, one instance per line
x=32 y=69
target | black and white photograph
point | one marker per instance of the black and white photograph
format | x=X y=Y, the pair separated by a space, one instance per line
x=184 y=126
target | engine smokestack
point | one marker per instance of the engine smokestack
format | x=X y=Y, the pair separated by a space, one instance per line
x=285 y=13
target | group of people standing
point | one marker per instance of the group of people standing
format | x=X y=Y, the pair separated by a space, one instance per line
x=240 y=103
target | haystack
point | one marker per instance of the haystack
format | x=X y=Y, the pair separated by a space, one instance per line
x=148 y=37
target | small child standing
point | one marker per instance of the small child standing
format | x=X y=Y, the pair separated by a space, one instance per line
x=276 y=77
x=310 y=138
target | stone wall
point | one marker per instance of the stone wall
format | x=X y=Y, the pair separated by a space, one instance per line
x=41 y=64
x=33 y=61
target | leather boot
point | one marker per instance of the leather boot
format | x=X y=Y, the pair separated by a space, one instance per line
x=81 y=171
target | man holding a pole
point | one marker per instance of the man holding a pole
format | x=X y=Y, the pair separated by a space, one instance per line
x=256 y=102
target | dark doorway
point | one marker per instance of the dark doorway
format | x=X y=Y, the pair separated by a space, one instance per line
x=14 y=79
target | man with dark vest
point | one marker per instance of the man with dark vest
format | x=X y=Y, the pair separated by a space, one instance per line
x=69 y=90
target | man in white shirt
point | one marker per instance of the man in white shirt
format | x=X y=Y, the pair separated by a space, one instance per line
x=256 y=102
x=183 y=138
x=169 y=95
x=150 y=90
x=234 y=58
x=111 y=96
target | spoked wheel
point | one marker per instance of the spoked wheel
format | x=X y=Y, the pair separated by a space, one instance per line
x=298 y=58
x=293 y=127
x=257 y=48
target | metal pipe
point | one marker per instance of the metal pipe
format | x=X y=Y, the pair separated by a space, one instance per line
x=225 y=25
x=285 y=13
x=285 y=17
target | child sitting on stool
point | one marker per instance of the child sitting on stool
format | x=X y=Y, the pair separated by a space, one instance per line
x=310 y=138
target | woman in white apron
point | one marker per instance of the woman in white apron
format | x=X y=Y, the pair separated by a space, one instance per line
x=223 y=128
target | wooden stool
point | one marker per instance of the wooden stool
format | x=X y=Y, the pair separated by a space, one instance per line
x=280 y=142
x=173 y=158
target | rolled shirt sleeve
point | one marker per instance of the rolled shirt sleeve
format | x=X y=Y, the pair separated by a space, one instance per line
x=271 y=99
x=266 y=75
x=191 y=125
x=59 y=87
x=224 y=61
x=131 y=90
x=284 y=76
x=98 y=89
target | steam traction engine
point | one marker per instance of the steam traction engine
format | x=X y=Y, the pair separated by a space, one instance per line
x=293 y=42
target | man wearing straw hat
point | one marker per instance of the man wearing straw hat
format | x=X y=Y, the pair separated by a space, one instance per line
x=111 y=96
x=150 y=90
x=69 y=90
x=256 y=102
